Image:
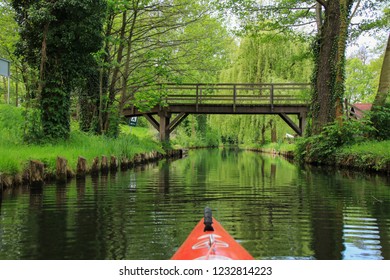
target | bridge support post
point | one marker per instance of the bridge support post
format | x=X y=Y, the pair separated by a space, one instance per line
x=286 y=118
x=302 y=122
x=164 y=126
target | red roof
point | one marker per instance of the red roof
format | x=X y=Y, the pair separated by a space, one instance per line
x=361 y=107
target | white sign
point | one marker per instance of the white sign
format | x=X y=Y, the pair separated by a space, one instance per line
x=133 y=121
x=4 y=67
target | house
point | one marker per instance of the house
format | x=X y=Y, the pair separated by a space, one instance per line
x=358 y=110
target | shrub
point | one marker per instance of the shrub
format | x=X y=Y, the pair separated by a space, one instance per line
x=321 y=148
x=380 y=117
x=11 y=121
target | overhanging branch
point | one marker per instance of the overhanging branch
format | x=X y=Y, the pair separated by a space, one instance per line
x=323 y=3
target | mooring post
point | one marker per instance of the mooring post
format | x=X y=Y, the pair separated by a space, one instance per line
x=61 y=170
x=81 y=167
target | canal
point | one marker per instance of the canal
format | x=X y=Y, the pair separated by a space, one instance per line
x=274 y=208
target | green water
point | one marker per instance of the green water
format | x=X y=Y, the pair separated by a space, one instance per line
x=274 y=208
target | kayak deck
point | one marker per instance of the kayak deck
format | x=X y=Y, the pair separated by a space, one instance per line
x=205 y=244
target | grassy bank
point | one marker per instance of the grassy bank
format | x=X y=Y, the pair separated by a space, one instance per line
x=371 y=155
x=280 y=148
x=15 y=154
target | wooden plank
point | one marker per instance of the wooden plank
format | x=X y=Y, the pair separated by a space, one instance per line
x=179 y=118
x=152 y=120
x=291 y=123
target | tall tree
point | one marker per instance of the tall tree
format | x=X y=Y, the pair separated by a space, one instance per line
x=263 y=57
x=333 y=21
x=384 y=80
x=150 y=42
x=328 y=79
x=362 y=77
x=8 y=38
x=58 y=39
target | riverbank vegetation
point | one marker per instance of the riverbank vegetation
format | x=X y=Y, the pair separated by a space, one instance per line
x=15 y=154
x=76 y=66
x=353 y=143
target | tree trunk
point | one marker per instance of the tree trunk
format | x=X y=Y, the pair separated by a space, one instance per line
x=345 y=6
x=16 y=88
x=263 y=128
x=43 y=58
x=319 y=19
x=89 y=103
x=384 y=80
x=274 y=137
x=115 y=76
x=104 y=74
x=55 y=102
x=128 y=58
x=5 y=89
x=329 y=71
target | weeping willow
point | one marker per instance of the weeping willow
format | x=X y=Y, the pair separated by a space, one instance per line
x=264 y=58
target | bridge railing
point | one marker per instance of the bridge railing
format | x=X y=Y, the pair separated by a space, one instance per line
x=236 y=94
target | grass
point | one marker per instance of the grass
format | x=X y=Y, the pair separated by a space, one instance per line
x=371 y=155
x=282 y=147
x=374 y=148
x=14 y=154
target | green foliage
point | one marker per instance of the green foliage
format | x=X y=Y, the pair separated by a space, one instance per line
x=114 y=120
x=13 y=157
x=380 y=118
x=57 y=40
x=321 y=148
x=262 y=58
x=373 y=148
x=269 y=57
x=374 y=155
x=55 y=108
x=33 y=132
x=14 y=153
x=192 y=135
x=361 y=79
x=88 y=101
x=148 y=98
x=18 y=126
x=11 y=124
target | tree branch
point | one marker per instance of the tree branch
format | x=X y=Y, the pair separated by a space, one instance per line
x=323 y=3
x=355 y=10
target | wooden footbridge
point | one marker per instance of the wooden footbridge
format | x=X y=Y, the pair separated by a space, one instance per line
x=176 y=102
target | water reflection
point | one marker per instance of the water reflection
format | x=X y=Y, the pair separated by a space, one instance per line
x=274 y=208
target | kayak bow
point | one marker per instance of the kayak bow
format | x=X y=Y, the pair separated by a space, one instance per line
x=210 y=241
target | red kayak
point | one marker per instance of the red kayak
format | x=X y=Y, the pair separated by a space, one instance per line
x=210 y=241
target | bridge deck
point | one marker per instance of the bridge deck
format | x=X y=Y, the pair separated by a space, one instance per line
x=282 y=99
x=228 y=99
x=242 y=109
